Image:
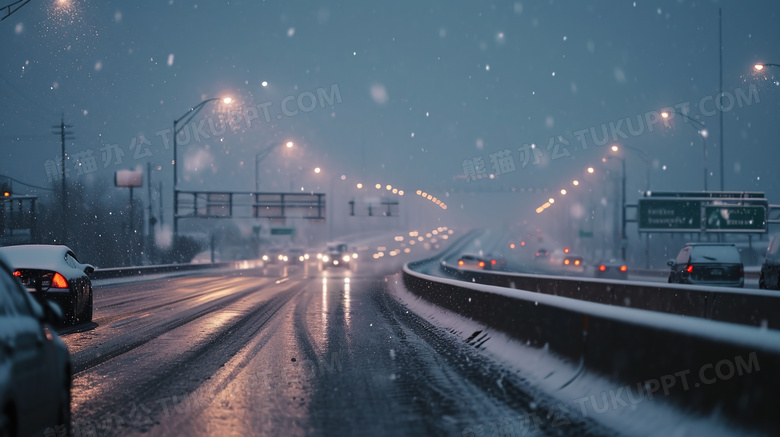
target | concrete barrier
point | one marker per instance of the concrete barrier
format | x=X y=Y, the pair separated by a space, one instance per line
x=630 y=346
x=748 y=307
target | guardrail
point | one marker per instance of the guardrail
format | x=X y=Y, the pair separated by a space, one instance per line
x=120 y=272
x=626 y=345
x=748 y=307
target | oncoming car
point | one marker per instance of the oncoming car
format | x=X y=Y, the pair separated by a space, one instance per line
x=53 y=272
x=336 y=255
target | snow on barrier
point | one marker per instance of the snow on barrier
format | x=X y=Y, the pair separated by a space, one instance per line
x=123 y=272
x=704 y=366
x=748 y=307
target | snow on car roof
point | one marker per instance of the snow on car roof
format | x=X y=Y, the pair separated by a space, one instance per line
x=36 y=256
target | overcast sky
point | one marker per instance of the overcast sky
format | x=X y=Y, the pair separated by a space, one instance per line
x=412 y=89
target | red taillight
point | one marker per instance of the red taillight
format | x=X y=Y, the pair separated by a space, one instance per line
x=537 y=253
x=576 y=262
x=59 y=281
x=17 y=273
x=602 y=268
x=460 y=262
x=566 y=262
x=566 y=250
x=512 y=246
x=522 y=243
x=482 y=263
x=689 y=269
x=623 y=268
x=492 y=261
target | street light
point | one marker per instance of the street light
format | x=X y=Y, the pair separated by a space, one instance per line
x=262 y=155
x=184 y=120
x=760 y=67
x=702 y=130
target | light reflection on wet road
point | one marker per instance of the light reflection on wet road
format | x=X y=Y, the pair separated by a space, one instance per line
x=244 y=354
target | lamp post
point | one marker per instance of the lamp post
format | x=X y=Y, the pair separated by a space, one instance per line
x=760 y=67
x=646 y=159
x=184 y=120
x=702 y=130
x=262 y=155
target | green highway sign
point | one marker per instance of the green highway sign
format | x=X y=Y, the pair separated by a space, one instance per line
x=729 y=218
x=586 y=234
x=669 y=215
x=282 y=231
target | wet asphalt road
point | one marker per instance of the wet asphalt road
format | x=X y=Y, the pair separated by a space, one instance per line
x=243 y=353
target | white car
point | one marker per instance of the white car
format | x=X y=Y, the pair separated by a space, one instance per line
x=54 y=273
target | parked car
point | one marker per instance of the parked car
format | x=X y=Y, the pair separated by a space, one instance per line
x=474 y=261
x=708 y=264
x=35 y=366
x=770 y=270
x=54 y=273
x=611 y=269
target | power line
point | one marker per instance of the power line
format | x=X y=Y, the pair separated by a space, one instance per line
x=9 y=11
x=26 y=184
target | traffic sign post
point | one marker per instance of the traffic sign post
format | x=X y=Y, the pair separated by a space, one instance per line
x=669 y=215
x=735 y=218
x=708 y=212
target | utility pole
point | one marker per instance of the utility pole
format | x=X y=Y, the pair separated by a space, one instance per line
x=64 y=134
x=720 y=94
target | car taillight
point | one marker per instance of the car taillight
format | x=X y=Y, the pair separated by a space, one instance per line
x=623 y=268
x=576 y=262
x=689 y=269
x=59 y=281
x=482 y=263
x=602 y=268
x=492 y=261
x=460 y=262
x=18 y=273
x=566 y=262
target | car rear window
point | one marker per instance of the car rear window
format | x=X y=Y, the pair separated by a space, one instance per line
x=722 y=254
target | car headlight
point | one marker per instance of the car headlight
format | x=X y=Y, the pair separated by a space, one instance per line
x=345 y=258
x=355 y=255
x=325 y=258
x=265 y=257
x=301 y=258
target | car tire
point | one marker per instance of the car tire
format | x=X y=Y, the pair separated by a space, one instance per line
x=761 y=283
x=86 y=316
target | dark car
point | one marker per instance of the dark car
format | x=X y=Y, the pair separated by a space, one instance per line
x=35 y=366
x=54 y=273
x=542 y=253
x=611 y=269
x=708 y=264
x=770 y=270
x=473 y=261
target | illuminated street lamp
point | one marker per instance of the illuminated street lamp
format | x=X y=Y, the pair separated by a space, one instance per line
x=184 y=120
x=262 y=155
x=702 y=130
x=760 y=67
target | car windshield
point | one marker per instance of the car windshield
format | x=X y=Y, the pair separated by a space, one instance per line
x=341 y=217
x=715 y=254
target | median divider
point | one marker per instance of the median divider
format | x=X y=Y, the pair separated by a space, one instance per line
x=732 y=368
x=123 y=272
x=734 y=305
